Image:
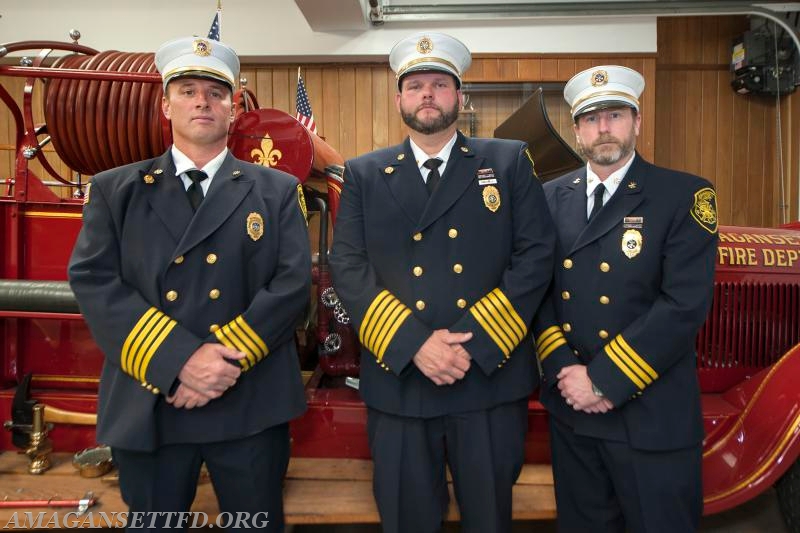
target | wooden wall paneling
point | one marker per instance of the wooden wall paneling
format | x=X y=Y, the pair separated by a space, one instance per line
x=529 y=70
x=693 y=135
x=491 y=70
x=757 y=195
x=347 y=111
x=724 y=146
x=363 y=114
x=646 y=141
x=312 y=78
x=663 y=110
x=738 y=153
x=329 y=114
x=707 y=123
x=381 y=108
x=677 y=121
x=565 y=69
x=280 y=88
x=791 y=140
x=395 y=127
x=263 y=87
x=550 y=70
x=509 y=69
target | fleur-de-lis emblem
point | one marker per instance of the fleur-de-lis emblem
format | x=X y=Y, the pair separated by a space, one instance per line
x=266 y=156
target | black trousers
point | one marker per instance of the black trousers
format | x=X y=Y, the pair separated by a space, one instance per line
x=607 y=486
x=247 y=475
x=484 y=450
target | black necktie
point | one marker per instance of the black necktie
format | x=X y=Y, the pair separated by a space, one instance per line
x=598 y=201
x=433 y=176
x=195 y=190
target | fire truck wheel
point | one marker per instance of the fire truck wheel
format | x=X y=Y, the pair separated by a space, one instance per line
x=788 y=488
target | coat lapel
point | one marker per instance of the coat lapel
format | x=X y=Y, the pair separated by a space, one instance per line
x=572 y=208
x=462 y=167
x=627 y=197
x=404 y=181
x=228 y=188
x=167 y=196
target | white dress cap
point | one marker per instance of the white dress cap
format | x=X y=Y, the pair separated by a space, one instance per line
x=602 y=87
x=197 y=57
x=430 y=51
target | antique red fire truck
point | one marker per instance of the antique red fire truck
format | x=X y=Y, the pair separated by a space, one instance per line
x=101 y=110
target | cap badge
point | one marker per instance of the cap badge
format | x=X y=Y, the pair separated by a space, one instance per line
x=631 y=243
x=425 y=46
x=599 y=78
x=491 y=198
x=201 y=47
x=255 y=226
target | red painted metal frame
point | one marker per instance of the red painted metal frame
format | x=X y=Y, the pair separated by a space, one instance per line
x=751 y=413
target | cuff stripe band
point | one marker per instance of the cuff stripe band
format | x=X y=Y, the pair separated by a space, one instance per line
x=143 y=341
x=383 y=318
x=238 y=334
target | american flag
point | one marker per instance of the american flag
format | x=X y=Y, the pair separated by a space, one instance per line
x=304 y=114
x=213 y=32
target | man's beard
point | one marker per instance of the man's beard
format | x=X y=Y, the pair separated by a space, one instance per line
x=434 y=125
x=608 y=154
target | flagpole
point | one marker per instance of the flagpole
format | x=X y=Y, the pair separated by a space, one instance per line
x=219 y=12
x=298 y=74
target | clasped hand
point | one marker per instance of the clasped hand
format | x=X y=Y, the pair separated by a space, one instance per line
x=206 y=375
x=576 y=387
x=442 y=358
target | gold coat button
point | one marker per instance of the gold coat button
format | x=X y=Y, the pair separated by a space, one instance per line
x=457 y=268
x=603 y=334
x=156 y=390
x=179 y=260
x=213 y=294
x=417 y=237
x=605 y=267
x=605 y=300
x=567 y=263
x=567 y=327
x=172 y=296
x=417 y=271
x=565 y=295
x=452 y=233
x=420 y=305
x=211 y=259
x=213 y=327
x=461 y=303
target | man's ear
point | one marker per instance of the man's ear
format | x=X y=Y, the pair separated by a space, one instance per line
x=165 y=106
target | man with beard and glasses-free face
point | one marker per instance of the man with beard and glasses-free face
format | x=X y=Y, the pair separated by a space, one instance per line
x=442 y=252
x=191 y=271
x=634 y=272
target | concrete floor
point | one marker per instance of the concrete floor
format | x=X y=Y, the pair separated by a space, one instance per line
x=760 y=515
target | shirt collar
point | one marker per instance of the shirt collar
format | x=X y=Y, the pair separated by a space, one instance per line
x=183 y=163
x=611 y=182
x=444 y=154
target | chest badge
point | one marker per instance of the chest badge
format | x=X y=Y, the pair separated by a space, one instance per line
x=255 y=226
x=631 y=243
x=491 y=198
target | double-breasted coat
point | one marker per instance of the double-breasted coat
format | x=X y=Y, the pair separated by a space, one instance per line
x=154 y=281
x=476 y=256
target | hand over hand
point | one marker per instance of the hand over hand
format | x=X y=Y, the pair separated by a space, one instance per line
x=576 y=387
x=187 y=398
x=442 y=358
x=208 y=371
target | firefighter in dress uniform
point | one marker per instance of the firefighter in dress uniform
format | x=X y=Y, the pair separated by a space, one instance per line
x=442 y=253
x=633 y=283
x=191 y=271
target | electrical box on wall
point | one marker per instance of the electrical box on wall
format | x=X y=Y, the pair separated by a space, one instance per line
x=764 y=61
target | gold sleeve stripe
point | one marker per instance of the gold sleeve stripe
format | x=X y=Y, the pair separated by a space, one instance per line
x=636 y=358
x=546 y=346
x=621 y=356
x=239 y=335
x=510 y=313
x=386 y=311
x=494 y=319
x=366 y=326
x=546 y=334
x=133 y=339
x=154 y=347
x=143 y=342
x=627 y=371
x=141 y=349
x=383 y=318
x=478 y=311
x=392 y=330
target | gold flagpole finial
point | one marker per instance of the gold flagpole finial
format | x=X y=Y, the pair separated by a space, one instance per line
x=298 y=73
x=219 y=5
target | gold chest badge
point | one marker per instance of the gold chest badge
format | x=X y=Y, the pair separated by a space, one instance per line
x=491 y=198
x=255 y=226
x=631 y=243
